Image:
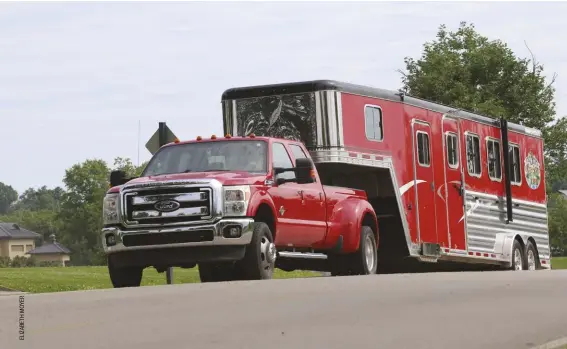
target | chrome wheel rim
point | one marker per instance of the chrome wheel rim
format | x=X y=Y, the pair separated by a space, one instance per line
x=369 y=253
x=531 y=260
x=518 y=260
x=268 y=254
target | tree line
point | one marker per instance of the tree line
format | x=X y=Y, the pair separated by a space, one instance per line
x=460 y=68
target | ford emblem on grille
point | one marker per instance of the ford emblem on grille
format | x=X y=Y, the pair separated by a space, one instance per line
x=166 y=205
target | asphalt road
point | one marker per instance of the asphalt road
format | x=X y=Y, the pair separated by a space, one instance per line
x=443 y=310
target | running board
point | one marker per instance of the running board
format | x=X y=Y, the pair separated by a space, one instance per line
x=302 y=255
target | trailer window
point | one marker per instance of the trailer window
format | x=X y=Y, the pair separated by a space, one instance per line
x=297 y=152
x=280 y=158
x=373 y=124
x=423 y=149
x=494 y=161
x=452 y=150
x=473 y=155
x=514 y=155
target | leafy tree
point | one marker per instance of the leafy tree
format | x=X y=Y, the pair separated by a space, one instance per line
x=126 y=165
x=557 y=223
x=7 y=196
x=80 y=213
x=40 y=199
x=466 y=70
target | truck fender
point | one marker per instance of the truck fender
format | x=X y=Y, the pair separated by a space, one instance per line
x=259 y=199
x=347 y=219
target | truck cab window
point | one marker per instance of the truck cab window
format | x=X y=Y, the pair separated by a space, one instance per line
x=494 y=160
x=473 y=155
x=298 y=153
x=514 y=154
x=281 y=159
x=423 y=149
x=373 y=123
x=452 y=150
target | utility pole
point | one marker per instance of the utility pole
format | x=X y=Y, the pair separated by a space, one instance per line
x=162 y=141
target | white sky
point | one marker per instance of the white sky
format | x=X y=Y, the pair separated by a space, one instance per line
x=76 y=78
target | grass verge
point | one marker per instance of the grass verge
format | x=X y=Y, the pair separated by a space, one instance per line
x=39 y=280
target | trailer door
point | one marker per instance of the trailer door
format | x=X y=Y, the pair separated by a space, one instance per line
x=453 y=193
x=424 y=182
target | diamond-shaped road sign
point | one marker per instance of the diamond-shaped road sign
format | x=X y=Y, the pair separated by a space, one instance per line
x=153 y=144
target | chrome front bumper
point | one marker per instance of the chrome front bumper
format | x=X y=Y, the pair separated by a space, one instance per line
x=246 y=224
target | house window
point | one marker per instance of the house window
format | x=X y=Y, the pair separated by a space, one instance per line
x=514 y=155
x=373 y=123
x=494 y=161
x=423 y=157
x=452 y=150
x=17 y=248
x=473 y=155
x=29 y=248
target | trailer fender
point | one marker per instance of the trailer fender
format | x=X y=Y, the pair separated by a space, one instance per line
x=347 y=219
x=506 y=241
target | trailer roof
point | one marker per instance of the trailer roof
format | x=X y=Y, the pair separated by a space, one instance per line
x=396 y=96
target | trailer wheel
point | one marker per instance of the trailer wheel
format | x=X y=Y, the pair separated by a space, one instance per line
x=260 y=258
x=362 y=262
x=532 y=260
x=518 y=257
x=124 y=276
x=216 y=272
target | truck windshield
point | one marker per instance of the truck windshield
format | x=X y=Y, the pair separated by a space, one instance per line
x=249 y=156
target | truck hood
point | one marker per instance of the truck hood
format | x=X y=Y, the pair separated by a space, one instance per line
x=225 y=178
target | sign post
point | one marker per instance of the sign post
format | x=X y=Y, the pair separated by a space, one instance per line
x=161 y=137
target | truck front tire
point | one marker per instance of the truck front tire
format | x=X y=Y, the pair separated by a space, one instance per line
x=260 y=258
x=124 y=276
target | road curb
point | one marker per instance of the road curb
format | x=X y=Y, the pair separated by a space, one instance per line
x=556 y=344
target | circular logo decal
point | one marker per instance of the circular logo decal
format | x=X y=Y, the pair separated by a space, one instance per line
x=532 y=171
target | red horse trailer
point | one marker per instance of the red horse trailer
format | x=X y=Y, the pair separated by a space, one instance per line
x=447 y=185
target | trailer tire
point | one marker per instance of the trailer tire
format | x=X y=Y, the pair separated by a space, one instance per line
x=216 y=272
x=532 y=260
x=362 y=262
x=124 y=276
x=260 y=257
x=518 y=257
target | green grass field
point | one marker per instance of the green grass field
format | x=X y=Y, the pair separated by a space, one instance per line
x=36 y=280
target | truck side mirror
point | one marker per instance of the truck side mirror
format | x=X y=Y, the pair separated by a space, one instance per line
x=303 y=170
x=118 y=177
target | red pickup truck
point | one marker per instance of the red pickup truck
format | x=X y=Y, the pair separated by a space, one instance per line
x=237 y=207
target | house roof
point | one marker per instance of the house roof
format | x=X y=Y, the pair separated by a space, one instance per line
x=53 y=248
x=12 y=231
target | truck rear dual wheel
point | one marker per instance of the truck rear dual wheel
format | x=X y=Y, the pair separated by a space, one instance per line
x=258 y=262
x=124 y=276
x=362 y=262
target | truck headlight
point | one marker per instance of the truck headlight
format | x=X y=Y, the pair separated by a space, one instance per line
x=110 y=209
x=236 y=200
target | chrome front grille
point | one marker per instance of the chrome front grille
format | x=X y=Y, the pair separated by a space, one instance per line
x=163 y=205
